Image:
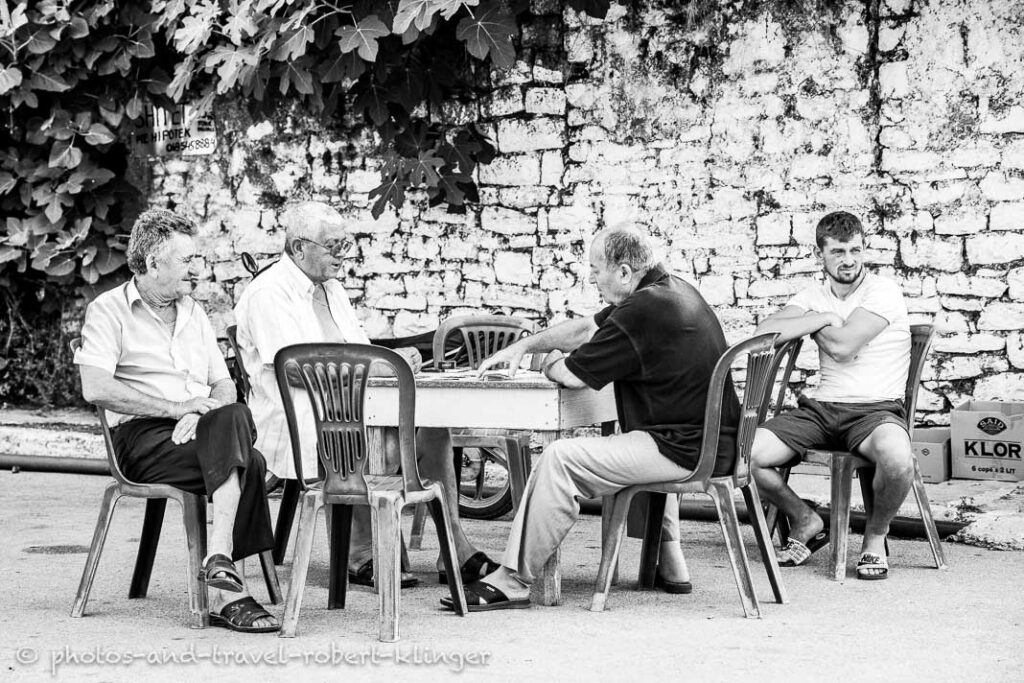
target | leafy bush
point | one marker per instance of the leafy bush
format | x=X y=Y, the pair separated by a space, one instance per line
x=75 y=77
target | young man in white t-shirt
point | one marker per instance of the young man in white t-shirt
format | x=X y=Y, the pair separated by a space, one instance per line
x=859 y=322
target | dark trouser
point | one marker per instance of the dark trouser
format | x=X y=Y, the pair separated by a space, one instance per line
x=224 y=442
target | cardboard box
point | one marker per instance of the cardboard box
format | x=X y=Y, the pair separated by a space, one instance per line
x=931 y=447
x=988 y=440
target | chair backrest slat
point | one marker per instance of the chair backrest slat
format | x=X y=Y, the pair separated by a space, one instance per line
x=781 y=371
x=760 y=354
x=108 y=441
x=242 y=374
x=335 y=377
x=920 y=342
x=469 y=339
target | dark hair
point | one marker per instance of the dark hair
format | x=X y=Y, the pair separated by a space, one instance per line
x=151 y=230
x=630 y=247
x=838 y=225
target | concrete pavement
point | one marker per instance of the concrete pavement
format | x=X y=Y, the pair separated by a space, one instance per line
x=964 y=622
x=922 y=624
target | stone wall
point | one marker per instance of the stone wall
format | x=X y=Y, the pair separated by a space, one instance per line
x=908 y=113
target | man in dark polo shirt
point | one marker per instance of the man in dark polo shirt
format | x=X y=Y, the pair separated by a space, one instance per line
x=659 y=341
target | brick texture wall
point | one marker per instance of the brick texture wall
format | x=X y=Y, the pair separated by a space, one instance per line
x=728 y=149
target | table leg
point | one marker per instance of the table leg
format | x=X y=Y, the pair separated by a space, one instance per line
x=375 y=450
x=547 y=589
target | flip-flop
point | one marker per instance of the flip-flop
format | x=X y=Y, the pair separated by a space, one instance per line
x=364 y=577
x=229 y=579
x=869 y=562
x=795 y=553
x=240 y=616
x=483 y=597
x=475 y=568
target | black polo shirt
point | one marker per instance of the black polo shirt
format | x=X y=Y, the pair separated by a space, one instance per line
x=660 y=346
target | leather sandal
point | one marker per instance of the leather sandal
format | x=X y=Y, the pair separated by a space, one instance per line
x=483 y=597
x=475 y=568
x=364 y=577
x=219 y=572
x=240 y=616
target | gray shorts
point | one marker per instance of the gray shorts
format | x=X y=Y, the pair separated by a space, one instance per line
x=832 y=426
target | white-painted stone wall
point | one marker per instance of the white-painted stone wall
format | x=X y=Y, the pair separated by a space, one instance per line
x=913 y=120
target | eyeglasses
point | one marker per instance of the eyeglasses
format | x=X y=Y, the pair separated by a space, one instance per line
x=337 y=248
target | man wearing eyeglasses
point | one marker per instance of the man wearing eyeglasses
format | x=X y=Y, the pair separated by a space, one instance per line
x=300 y=300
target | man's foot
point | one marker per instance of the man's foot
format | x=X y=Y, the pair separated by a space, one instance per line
x=872 y=567
x=244 y=615
x=483 y=597
x=363 y=576
x=671 y=563
x=475 y=568
x=673 y=586
x=219 y=572
x=795 y=553
x=806 y=526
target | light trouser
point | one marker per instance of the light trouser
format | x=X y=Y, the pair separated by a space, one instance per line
x=588 y=468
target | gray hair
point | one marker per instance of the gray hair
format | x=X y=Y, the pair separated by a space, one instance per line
x=307 y=220
x=628 y=246
x=152 y=229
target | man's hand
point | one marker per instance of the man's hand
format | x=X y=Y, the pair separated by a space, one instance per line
x=185 y=430
x=512 y=355
x=412 y=357
x=197 y=406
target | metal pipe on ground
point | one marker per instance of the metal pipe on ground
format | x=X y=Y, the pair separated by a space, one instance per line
x=704 y=511
x=32 y=463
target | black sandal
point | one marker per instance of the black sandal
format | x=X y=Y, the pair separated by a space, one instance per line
x=483 y=597
x=364 y=577
x=229 y=579
x=240 y=616
x=475 y=568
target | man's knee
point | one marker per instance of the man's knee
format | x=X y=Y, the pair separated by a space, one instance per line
x=768 y=450
x=232 y=413
x=889 y=448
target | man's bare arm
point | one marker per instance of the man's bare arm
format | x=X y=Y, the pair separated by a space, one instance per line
x=224 y=391
x=556 y=371
x=844 y=342
x=101 y=388
x=793 y=322
x=565 y=336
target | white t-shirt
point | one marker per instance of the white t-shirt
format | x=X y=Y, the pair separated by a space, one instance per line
x=879 y=372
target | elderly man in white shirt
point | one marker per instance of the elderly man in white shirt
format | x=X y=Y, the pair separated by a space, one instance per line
x=300 y=300
x=149 y=357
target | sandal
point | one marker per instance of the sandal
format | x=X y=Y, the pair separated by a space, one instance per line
x=483 y=597
x=240 y=616
x=672 y=587
x=872 y=567
x=228 y=580
x=475 y=568
x=795 y=553
x=364 y=577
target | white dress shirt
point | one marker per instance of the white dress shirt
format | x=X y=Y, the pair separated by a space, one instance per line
x=274 y=311
x=123 y=336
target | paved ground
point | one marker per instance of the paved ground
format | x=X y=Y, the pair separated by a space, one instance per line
x=922 y=624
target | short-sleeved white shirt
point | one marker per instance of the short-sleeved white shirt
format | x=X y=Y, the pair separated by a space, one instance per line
x=274 y=311
x=123 y=336
x=879 y=371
